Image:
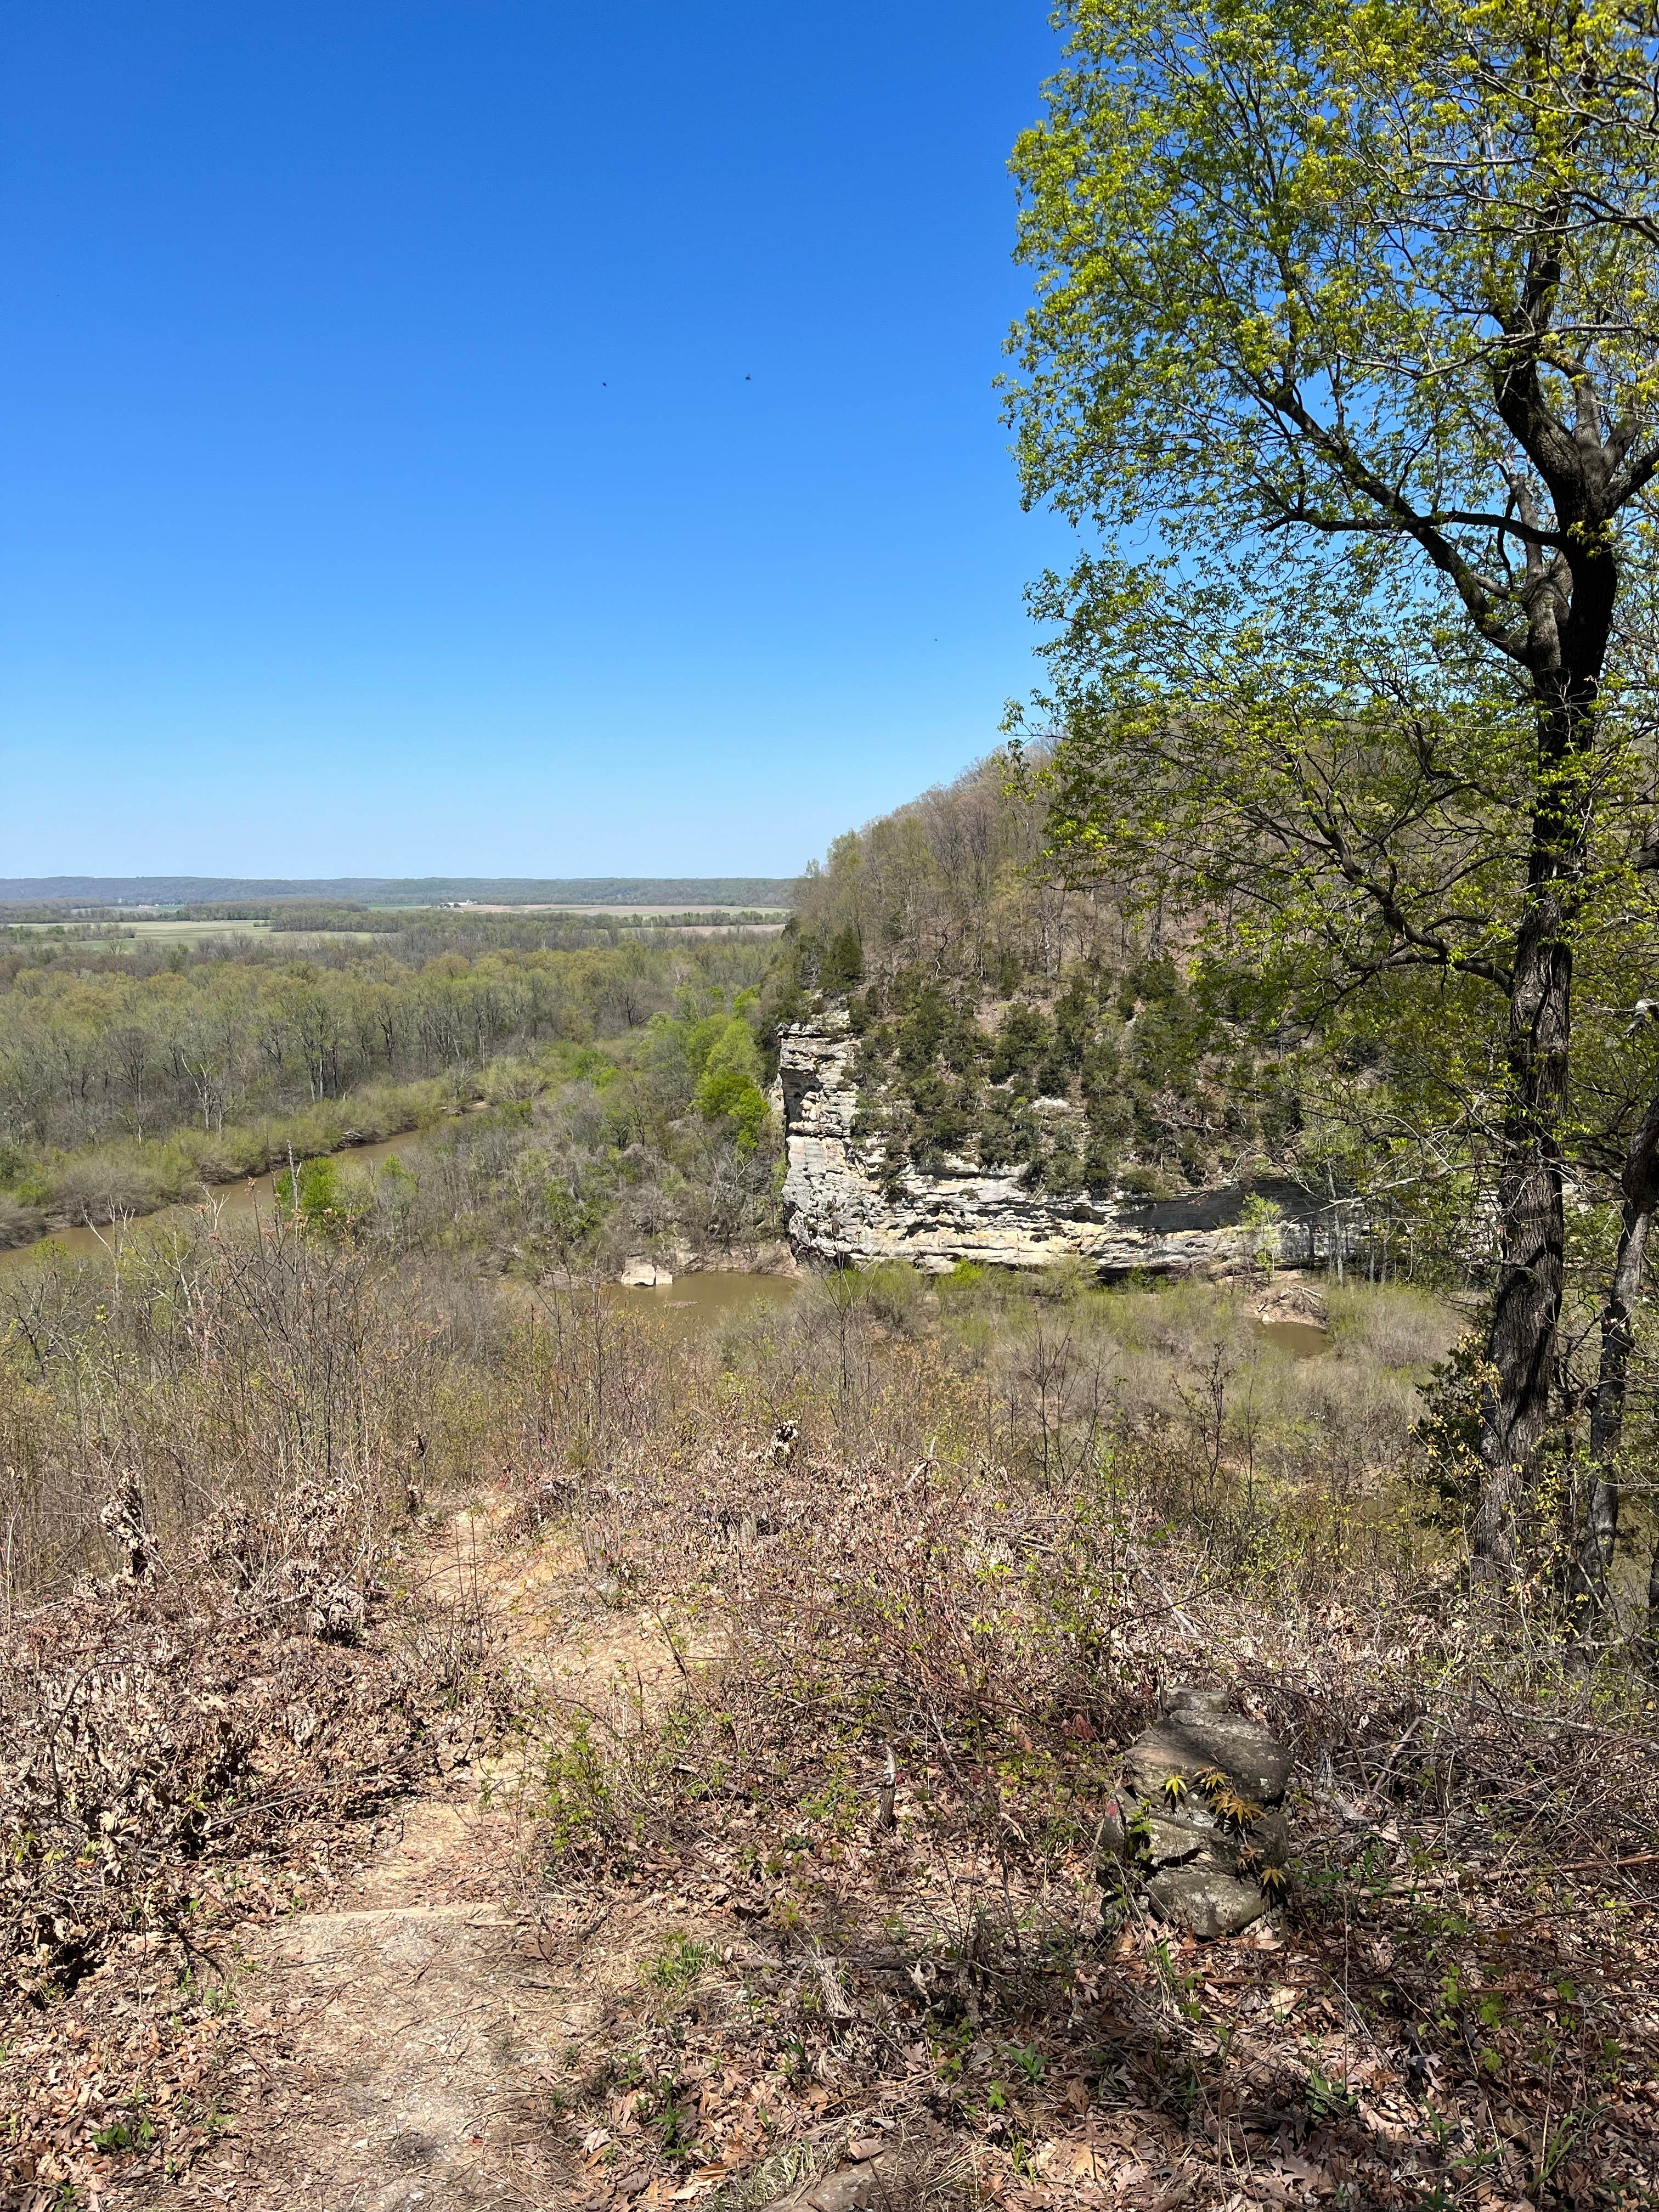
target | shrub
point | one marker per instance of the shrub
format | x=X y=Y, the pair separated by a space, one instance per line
x=19 y=1224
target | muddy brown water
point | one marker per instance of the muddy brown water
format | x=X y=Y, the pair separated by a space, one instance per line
x=691 y=1303
x=228 y=1201
x=1302 y=1339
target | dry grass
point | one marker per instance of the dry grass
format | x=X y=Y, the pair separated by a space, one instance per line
x=213 y=1663
x=997 y=1521
x=1453 y=2006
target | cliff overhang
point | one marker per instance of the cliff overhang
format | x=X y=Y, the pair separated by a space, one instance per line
x=840 y=1208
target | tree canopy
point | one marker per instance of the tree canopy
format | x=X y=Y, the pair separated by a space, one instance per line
x=1383 y=273
x=1345 y=338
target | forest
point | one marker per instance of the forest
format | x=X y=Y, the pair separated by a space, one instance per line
x=129 y=1081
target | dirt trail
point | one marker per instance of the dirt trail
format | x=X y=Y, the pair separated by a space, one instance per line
x=404 y=2040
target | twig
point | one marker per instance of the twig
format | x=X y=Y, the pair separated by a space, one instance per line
x=1547 y=1721
x=1186 y=1619
x=669 y=1636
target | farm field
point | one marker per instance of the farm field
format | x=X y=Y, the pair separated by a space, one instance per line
x=147 y=935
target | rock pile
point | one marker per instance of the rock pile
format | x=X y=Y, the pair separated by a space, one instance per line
x=1292 y=1301
x=1198 y=1823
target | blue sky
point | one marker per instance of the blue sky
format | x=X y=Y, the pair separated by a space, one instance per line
x=491 y=436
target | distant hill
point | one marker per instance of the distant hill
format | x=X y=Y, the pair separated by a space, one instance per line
x=689 y=892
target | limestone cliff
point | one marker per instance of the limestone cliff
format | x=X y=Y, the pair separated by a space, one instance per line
x=837 y=1206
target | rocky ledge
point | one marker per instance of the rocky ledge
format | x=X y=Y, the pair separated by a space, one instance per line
x=838 y=1209
x=1198 y=1825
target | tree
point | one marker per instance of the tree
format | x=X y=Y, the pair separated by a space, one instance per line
x=728 y=1090
x=1355 y=309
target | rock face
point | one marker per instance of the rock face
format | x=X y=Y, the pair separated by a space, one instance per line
x=837 y=1210
x=1198 y=1823
x=641 y=1274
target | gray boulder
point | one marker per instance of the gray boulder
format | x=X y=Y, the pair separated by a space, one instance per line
x=1204 y=1900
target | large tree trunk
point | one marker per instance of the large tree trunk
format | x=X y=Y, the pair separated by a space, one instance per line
x=1639 y=1192
x=1569 y=602
x=1532 y=1229
x=1532 y=1213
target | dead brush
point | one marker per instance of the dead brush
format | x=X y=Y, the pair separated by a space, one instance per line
x=448 y=1637
x=257 y=1392
x=202 y=1659
x=972 y=1642
x=146 y=1744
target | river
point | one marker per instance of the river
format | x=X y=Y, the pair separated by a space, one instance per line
x=691 y=1303
x=1302 y=1339
x=231 y=1201
x=687 y=1305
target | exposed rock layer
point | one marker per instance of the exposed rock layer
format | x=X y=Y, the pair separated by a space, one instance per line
x=838 y=1207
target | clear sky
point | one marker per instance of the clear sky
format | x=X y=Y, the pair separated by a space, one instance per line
x=503 y=437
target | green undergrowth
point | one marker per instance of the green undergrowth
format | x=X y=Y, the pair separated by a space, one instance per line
x=139 y=1175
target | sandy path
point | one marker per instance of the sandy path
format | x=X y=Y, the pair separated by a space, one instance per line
x=404 y=2041
x=420 y=2021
